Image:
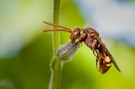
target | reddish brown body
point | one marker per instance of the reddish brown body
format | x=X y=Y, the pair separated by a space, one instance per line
x=91 y=38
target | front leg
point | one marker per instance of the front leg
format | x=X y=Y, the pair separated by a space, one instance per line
x=94 y=46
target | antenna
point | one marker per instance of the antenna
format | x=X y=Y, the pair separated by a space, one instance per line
x=57 y=30
x=56 y=25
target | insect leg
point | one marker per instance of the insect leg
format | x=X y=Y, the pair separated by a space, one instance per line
x=94 y=46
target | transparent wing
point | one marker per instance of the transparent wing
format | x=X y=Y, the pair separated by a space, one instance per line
x=113 y=61
x=68 y=50
x=109 y=54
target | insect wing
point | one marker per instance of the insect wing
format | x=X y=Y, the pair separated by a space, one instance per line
x=110 y=56
x=113 y=61
x=67 y=51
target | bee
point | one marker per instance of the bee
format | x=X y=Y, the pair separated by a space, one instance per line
x=92 y=39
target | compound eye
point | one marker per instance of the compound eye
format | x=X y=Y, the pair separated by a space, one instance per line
x=81 y=32
x=92 y=34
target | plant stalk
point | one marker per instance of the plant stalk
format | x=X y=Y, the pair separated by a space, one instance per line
x=56 y=64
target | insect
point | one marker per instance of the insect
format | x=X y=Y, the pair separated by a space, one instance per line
x=91 y=38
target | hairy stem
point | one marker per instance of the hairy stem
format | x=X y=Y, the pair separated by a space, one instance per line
x=56 y=64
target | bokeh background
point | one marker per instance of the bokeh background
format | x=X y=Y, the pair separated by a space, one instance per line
x=26 y=52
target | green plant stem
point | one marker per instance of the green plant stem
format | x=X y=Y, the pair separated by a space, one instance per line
x=56 y=64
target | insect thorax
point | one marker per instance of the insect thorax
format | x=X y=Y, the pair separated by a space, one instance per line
x=78 y=35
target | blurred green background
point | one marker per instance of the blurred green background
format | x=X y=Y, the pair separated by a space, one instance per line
x=26 y=52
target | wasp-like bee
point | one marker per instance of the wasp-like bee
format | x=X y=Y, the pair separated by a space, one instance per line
x=91 y=38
